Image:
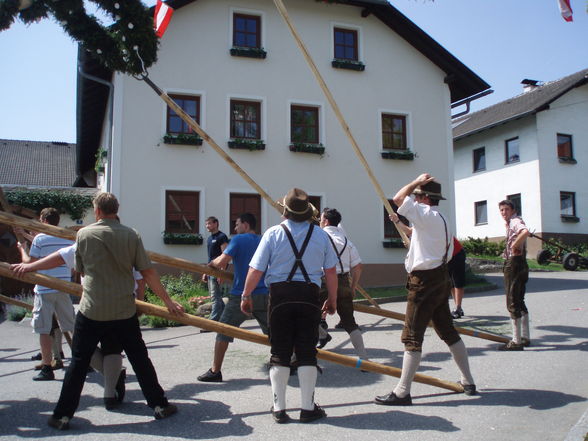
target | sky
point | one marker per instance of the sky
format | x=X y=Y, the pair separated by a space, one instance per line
x=502 y=41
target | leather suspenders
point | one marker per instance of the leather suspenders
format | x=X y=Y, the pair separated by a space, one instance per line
x=298 y=254
x=339 y=254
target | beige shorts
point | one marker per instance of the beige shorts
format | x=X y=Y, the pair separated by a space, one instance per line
x=50 y=303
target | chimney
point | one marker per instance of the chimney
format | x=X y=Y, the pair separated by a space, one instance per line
x=529 y=85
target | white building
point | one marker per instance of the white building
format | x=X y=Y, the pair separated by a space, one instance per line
x=531 y=148
x=235 y=67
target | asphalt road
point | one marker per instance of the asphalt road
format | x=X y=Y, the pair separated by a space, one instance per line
x=538 y=394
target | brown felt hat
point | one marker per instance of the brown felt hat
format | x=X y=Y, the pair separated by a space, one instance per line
x=297 y=206
x=431 y=189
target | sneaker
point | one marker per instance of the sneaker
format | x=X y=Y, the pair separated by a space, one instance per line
x=323 y=341
x=46 y=374
x=161 y=412
x=120 y=388
x=525 y=342
x=111 y=403
x=280 y=416
x=58 y=423
x=307 y=416
x=211 y=377
x=469 y=389
x=457 y=313
x=511 y=346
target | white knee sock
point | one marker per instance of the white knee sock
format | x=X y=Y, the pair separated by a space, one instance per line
x=112 y=366
x=460 y=356
x=279 y=376
x=410 y=364
x=516 y=330
x=357 y=342
x=97 y=361
x=307 y=378
x=57 y=342
x=526 y=332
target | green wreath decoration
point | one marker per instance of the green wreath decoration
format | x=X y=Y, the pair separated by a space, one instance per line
x=129 y=45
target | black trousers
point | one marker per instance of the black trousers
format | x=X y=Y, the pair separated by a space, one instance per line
x=294 y=317
x=516 y=275
x=86 y=336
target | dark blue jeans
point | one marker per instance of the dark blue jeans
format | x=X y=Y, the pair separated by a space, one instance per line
x=86 y=336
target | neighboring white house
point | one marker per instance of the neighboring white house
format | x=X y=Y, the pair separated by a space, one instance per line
x=234 y=66
x=533 y=149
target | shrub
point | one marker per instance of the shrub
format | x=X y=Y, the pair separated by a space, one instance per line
x=180 y=288
x=65 y=201
x=16 y=313
x=482 y=247
x=579 y=248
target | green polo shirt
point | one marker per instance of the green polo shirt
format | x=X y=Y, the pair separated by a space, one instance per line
x=106 y=254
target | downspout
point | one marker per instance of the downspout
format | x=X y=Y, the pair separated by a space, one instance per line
x=110 y=118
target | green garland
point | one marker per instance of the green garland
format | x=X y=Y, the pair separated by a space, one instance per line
x=73 y=204
x=129 y=45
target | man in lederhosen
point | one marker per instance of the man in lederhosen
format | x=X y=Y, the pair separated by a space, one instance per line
x=294 y=255
x=349 y=263
x=428 y=286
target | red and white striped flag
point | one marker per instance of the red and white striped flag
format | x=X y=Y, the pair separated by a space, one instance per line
x=161 y=18
x=566 y=10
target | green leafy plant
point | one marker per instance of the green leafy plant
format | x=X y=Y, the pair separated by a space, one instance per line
x=348 y=64
x=406 y=155
x=251 y=52
x=183 y=289
x=182 y=238
x=182 y=138
x=245 y=143
x=305 y=147
x=74 y=204
x=482 y=247
x=552 y=246
x=16 y=313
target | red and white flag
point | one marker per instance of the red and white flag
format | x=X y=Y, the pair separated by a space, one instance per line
x=161 y=18
x=566 y=10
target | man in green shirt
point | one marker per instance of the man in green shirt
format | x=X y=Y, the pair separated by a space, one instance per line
x=106 y=254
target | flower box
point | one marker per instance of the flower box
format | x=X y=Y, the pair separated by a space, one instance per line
x=405 y=155
x=348 y=64
x=182 y=139
x=393 y=243
x=251 y=52
x=567 y=160
x=246 y=144
x=182 y=239
x=304 y=147
x=569 y=218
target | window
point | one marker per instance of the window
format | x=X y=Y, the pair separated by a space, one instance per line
x=316 y=201
x=516 y=200
x=564 y=146
x=246 y=31
x=567 y=202
x=245 y=203
x=511 y=150
x=245 y=119
x=304 y=124
x=481 y=209
x=190 y=105
x=479 y=159
x=182 y=211
x=390 y=231
x=346 y=44
x=394 y=132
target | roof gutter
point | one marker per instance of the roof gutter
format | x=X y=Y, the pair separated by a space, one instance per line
x=467 y=101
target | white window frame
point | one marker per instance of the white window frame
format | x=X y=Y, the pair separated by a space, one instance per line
x=259 y=99
x=351 y=27
x=190 y=92
x=201 y=204
x=321 y=114
x=409 y=137
x=261 y=14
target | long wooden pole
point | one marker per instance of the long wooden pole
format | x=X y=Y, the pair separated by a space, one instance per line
x=284 y=13
x=65 y=233
x=401 y=317
x=232 y=331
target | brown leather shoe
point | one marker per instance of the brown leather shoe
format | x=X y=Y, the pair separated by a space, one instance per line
x=511 y=346
x=393 y=400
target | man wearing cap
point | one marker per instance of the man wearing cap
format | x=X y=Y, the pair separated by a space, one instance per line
x=294 y=255
x=349 y=263
x=428 y=286
x=516 y=274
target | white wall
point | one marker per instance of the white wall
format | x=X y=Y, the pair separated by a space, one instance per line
x=194 y=56
x=498 y=180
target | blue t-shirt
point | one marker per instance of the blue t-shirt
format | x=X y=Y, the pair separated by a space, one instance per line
x=42 y=246
x=214 y=243
x=241 y=248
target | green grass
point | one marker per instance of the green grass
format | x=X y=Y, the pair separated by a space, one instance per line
x=531 y=262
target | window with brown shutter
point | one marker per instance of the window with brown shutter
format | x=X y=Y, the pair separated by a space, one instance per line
x=245 y=203
x=182 y=211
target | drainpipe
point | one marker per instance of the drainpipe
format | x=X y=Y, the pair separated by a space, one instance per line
x=110 y=118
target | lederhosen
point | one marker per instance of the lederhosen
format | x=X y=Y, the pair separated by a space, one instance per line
x=428 y=291
x=294 y=313
x=516 y=275
x=344 y=294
